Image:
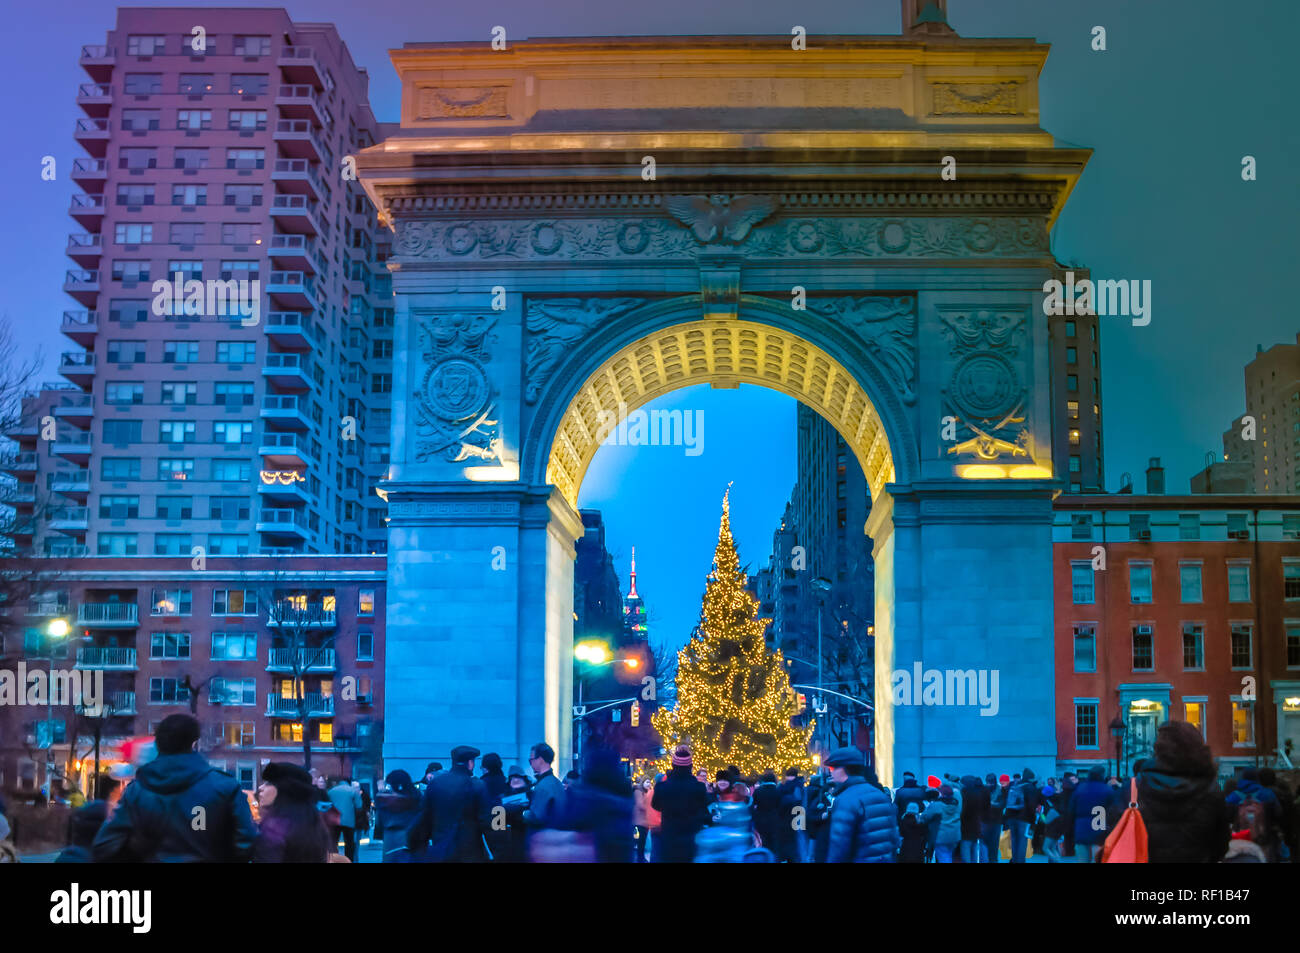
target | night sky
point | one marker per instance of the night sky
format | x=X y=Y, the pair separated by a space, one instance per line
x=1184 y=90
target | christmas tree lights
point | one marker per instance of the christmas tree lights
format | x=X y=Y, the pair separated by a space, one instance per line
x=734 y=700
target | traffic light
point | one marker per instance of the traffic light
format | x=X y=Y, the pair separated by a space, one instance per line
x=636 y=714
x=803 y=702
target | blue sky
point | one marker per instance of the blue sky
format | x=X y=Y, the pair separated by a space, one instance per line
x=1182 y=93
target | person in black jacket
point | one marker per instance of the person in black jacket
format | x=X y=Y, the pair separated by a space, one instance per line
x=293 y=830
x=86 y=822
x=864 y=825
x=991 y=824
x=683 y=804
x=788 y=849
x=1021 y=811
x=156 y=820
x=766 y=811
x=456 y=814
x=396 y=811
x=1182 y=806
x=974 y=806
x=909 y=792
x=913 y=833
x=598 y=808
x=493 y=778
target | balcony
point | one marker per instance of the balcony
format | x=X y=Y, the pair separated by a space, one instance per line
x=95 y=99
x=283 y=521
x=290 y=329
x=299 y=102
x=297 y=177
x=90 y=174
x=121 y=703
x=317 y=705
x=299 y=65
x=88 y=210
x=98 y=62
x=23 y=431
x=74 y=484
x=286 y=411
x=80 y=326
x=109 y=615
x=292 y=289
x=308 y=660
x=85 y=249
x=295 y=214
x=76 y=408
x=73 y=447
x=73 y=520
x=21 y=465
x=297 y=139
x=109 y=659
x=66 y=550
x=288 y=371
x=22 y=497
x=93 y=134
x=78 y=367
x=285 y=451
x=293 y=253
x=279 y=487
x=82 y=285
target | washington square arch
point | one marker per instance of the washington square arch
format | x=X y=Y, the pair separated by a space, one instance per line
x=588 y=224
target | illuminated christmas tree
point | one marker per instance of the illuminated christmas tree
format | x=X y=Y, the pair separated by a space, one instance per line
x=734 y=700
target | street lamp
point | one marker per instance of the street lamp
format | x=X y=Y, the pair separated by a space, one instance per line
x=1117 y=730
x=594 y=654
x=56 y=628
x=822 y=586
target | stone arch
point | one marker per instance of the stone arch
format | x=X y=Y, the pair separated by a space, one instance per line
x=668 y=344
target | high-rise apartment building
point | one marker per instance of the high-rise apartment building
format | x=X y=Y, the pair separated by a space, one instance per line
x=1074 y=349
x=1273 y=399
x=246 y=411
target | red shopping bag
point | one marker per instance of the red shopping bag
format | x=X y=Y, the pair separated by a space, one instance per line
x=1127 y=843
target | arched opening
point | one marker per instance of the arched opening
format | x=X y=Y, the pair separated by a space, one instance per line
x=595 y=394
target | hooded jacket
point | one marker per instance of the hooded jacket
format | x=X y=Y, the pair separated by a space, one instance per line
x=948 y=812
x=974 y=806
x=1186 y=819
x=864 y=825
x=154 y=822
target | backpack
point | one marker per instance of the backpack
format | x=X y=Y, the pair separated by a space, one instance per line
x=1016 y=797
x=1127 y=843
x=1252 y=816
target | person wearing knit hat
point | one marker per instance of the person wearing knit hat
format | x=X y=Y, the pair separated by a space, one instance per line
x=293 y=831
x=396 y=810
x=683 y=804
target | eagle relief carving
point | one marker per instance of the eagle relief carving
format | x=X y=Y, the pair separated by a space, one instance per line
x=720 y=219
x=456 y=401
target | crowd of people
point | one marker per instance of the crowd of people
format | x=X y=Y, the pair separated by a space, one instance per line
x=178 y=808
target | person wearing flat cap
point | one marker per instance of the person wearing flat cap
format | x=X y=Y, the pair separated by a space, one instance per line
x=864 y=823
x=456 y=813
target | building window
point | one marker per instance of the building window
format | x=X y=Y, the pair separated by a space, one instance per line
x=180 y=392
x=1081 y=580
x=169 y=645
x=1189 y=526
x=1189 y=582
x=176 y=431
x=228 y=508
x=188 y=270
x=1069 y=329
x=168 y=691
x=194 y=119
x=1085 y=648
x=189 y=158
x=246 y=120
x=231 y=471
x=230 y=431
x=116 y=544
x=195 y=84
x=171 y=544
x=1243 y=723
x=174 y=507
x=175 y=468
x=119 y=507
x=237 y=734
x=180 y=352
x=1081 y=526
x=137 y=195
x=234 y=602
x=1072 y=382
x=1085 y=724
x=1071 y=355
x=1139 y=526
x=1238 y=582
x=191 y=195
x=142 y=84
x=141 y=119
x=365 y=645
x=1293 y=645
x=185 y=233
x=1193 y=647
x=1242 y=654
x=128 y=234
x=234 y=646
x=227 y=544
x=120 y=468
x=1144 y=649
x=1237 y=526
x=366 y=602
x=1194 y=713
x=233 y=691
x=1072 y=407
x=1291 y=580
x=1139 y=583
x=234 y=393
x=124 y=392
x=245 y=158
x=171 y=602
x=248 y=84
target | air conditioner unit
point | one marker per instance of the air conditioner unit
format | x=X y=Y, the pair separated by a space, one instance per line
x=1143 y=630
x=1143 y=534
x=366 y=698
x=1238 y=534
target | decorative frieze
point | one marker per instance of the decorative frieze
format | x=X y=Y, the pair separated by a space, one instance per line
x=556 y=325
x=976 y=99
x=986 y=392
x=455 y=402
x=462 y=102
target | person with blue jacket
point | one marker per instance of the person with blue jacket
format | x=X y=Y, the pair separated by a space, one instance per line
x=1091 y=826
x=864 y=822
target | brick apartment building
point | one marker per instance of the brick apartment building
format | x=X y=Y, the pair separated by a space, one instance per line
x=180 y=430
x=261 y=648
x=1195 y=617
